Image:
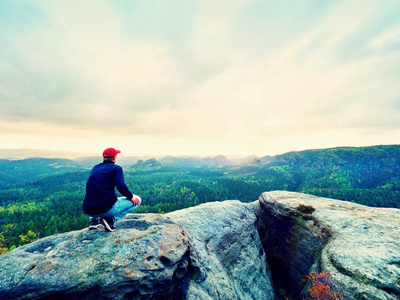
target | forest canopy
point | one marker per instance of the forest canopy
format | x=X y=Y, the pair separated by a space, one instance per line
x=41 y=197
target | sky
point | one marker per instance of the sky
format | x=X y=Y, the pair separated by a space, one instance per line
x=202 y=78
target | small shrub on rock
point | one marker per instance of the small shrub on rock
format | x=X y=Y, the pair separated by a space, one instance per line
x=320 y=287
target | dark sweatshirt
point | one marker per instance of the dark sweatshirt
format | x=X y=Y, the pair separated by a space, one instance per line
x=100 y=188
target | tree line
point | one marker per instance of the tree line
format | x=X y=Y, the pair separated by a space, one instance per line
x=50 y=203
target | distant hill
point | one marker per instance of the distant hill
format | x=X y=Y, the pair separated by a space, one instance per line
x=191 y=161
x=180 y=161
x=370 y=175
x=146 y=165
x=90 y=161
x=33 y=153
x=218 y=160
x=26 y=169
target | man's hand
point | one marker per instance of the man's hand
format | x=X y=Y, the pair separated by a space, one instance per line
x=135 y=200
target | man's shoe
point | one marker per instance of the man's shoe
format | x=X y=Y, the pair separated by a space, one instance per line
x=108 y=224
x=94 y=223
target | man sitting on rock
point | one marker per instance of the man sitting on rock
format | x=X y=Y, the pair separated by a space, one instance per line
x=101 y=202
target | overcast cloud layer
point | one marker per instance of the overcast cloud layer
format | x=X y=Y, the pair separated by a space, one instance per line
x=199 y=77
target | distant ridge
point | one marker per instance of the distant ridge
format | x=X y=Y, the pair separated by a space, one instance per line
x=23 y=153
x=87 y=158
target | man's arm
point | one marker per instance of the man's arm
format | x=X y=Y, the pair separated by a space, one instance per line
x=121 y=185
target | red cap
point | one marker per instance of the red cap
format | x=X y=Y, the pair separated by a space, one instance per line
x=111 y=152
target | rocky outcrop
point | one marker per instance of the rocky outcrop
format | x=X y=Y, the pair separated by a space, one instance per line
x=358 y=245
x=211 y=251
x=220 y=250
x=229 y=250
x=147 y=256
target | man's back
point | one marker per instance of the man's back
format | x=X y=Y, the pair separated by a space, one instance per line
x=100 y=187
x=101 y=202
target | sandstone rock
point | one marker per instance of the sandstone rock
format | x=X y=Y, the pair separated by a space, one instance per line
x=358 y=245
x=146 y=258
x=230 y=254
x=211 y=251
x=216 y=251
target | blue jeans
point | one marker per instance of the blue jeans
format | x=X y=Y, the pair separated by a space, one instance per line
x=120 y=209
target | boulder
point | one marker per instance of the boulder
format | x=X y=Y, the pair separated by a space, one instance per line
x=147 y=257
x=211 y=251
x=358 y=245
x=230 y=255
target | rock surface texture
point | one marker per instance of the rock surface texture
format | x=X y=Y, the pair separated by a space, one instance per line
x=219 y=250
x=211 y=251
x=232 y=260
x=358 y=245
x=148 y=256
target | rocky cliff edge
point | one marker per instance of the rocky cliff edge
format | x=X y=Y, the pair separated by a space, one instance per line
x=358 y=245
x=220 y=250
x=211 y=251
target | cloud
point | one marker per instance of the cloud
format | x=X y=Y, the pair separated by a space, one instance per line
x=388 y=40
x=238 y=74
x=81 y=65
